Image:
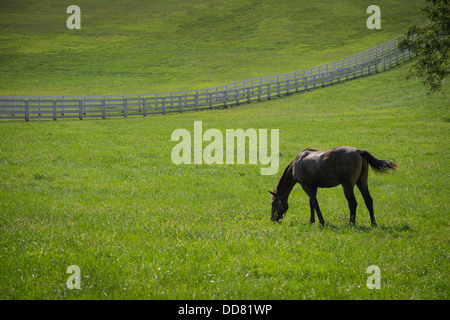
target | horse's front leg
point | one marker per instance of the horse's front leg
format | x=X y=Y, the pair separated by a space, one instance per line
x=313 y=203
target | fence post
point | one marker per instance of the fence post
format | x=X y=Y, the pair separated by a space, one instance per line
x=27 y=110
x=80 y=109
x=163 y=101
x=54 y=110
x=210 y=98
x=145 y=106
x=125 y=108
x=180 y=105
x=139 y=103
x=104 y=108
x=362 y=66
x=196 y=101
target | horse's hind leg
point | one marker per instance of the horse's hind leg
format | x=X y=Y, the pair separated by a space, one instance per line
x=313 y=219
x=311 y=205
x=364 y=188
x=349 y=194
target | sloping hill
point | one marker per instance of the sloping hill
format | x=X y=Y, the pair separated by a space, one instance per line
x=128 y=47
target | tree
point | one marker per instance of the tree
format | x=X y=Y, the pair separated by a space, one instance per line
x=431 y=44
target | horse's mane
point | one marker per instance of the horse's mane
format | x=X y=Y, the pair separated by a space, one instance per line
x=309 y=149
x=283 y=176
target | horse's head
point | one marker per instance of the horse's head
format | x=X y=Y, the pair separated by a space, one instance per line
x=279 y=207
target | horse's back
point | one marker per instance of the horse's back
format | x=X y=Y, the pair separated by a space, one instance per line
x=328 y=168
x=314 y=167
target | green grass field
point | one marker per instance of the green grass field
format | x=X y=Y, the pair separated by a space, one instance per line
x=104 y=194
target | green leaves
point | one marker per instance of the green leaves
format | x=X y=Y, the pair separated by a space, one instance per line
x=431 y=43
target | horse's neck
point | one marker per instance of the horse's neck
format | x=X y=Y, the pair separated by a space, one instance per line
x=286 y=182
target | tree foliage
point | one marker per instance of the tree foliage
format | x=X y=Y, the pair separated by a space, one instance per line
x=431 y=44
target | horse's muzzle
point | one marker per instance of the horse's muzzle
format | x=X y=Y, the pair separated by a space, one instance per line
x=277 y=217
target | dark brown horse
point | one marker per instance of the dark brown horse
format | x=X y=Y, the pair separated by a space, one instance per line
x=314 y=169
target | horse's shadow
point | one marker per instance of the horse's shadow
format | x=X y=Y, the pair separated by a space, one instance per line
x=402 y=227
x=393 y=229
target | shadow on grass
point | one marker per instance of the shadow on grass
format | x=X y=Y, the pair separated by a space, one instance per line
x=402 y=227
x=392 y=229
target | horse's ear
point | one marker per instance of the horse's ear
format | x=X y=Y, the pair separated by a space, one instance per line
x=272 y=193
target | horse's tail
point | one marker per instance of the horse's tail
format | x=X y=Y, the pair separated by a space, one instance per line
x=378 y=165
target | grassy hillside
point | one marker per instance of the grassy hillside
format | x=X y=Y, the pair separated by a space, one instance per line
x=127 y=47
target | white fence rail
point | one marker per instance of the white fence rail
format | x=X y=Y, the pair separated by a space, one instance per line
x=367 y=62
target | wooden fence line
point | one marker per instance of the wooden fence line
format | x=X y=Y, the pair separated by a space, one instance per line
x=374 y=60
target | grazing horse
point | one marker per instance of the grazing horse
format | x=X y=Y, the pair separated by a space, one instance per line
x=314 y=169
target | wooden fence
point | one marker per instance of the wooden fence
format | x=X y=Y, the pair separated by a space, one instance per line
x=364 y=63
